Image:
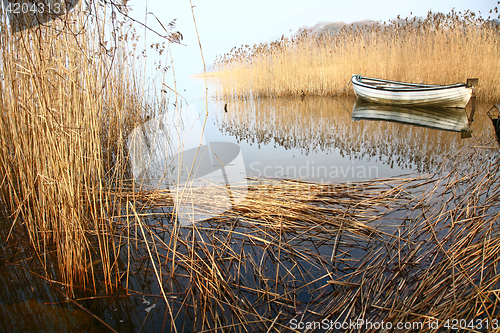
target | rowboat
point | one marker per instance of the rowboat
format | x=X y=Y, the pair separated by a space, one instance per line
x=402 y=93
x=447 y=119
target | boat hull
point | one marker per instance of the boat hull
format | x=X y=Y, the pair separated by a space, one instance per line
x=400 y=93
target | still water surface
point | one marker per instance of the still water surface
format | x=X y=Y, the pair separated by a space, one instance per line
x=317 y=139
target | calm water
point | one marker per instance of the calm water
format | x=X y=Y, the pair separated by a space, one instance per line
x=313 y=139
x=317 y=139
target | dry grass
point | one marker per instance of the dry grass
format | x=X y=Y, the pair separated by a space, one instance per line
x=439 y=49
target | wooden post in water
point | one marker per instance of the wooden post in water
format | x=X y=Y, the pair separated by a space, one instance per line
x=471 y=83
x=494 y=115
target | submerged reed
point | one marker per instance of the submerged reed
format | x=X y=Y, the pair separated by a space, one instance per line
x=414 y=250
x=440 y=49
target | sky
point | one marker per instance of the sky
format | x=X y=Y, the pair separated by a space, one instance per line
x=224 y=24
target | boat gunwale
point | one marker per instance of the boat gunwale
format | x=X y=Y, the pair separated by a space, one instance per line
x=415 y=87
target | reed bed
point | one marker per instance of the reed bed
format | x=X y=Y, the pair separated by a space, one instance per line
x=273 y=246
x=438 y=49
x=419 y=250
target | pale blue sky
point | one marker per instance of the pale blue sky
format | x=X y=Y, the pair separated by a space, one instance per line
x=224 y=24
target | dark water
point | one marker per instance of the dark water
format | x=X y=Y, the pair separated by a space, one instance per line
x=313 y=139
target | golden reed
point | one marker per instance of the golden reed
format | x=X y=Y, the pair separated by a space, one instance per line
x=439 y=49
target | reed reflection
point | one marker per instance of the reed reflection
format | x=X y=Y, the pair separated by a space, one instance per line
x=323 y=124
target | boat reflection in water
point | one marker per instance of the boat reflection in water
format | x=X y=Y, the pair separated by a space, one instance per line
x=447 y=119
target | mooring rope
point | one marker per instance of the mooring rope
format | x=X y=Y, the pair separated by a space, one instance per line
x=338 y=93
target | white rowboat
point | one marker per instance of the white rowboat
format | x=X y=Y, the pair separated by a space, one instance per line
x=401 y=93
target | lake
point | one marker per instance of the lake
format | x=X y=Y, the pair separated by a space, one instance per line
x=313 y=139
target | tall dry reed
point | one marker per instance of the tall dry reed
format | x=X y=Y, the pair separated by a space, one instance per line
x=66 y=102
x=439 y=49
